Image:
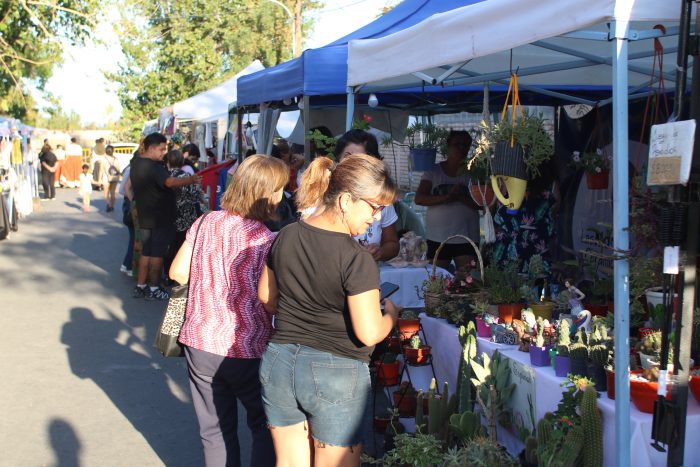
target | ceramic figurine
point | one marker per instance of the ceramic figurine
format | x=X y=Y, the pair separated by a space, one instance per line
x=575 y=297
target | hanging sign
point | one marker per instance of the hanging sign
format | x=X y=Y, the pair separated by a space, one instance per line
x=670 y=153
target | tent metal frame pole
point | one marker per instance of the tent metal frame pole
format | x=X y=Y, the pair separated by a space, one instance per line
x=620 y=31
x=350 y=109
x=306 y=116
x=239 y=128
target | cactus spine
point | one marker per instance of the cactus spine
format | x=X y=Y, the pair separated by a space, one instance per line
x=599 y=354
x=571 y=449
x=592 y=428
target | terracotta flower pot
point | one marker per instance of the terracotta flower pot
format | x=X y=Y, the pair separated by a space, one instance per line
x=408 y=328
x=478 y=197
x=380 y=424
x=417 y=356
x=507 y=312
x=597 y=181
x=610 y=376
x=542 y=309
x=406 y=404
x=388 y=373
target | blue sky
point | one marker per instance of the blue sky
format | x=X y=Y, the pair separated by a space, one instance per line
x=81 y=86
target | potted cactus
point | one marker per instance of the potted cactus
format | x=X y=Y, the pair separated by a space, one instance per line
x=483 y=319
x=388 y=369
x=578 y=353
x=539 y=353
x=416 y=352
x=650 y=350
x=562 y=363
x=408 y=324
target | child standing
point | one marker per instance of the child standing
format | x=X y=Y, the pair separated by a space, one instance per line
x=85 y=187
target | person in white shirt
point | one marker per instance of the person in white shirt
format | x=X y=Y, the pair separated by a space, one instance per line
x=85 y=187
x=451 y=210
x=60 y=153
x=74 y=149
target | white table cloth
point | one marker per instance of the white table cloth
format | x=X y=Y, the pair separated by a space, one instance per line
x=447 y=352
x=408 y=279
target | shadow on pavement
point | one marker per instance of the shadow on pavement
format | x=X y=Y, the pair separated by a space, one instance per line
x=116 y=360
x=65 y=443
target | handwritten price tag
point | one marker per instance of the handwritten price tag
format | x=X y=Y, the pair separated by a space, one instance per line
x=670 y=153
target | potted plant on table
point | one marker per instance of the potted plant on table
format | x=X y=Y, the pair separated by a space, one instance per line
x=408 y=324
x=599 y=355
x=596 y=165
x=578 y=354
x=483 y=318
x=539 y=353
x=388 y=369
x=433 y=288
x=516 y=151
x=424 y=141
x=504 y=290
x=405 y=399
x=562 y=363
x=417 y=353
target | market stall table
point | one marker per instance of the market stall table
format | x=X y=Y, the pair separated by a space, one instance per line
x=446 y=352
x=410 y=281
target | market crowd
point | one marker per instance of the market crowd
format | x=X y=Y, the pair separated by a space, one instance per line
x=297 y=245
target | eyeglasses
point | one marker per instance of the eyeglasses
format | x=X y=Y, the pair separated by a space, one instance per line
x=376 y=208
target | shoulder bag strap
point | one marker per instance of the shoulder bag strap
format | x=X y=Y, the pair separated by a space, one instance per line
x=196 y=234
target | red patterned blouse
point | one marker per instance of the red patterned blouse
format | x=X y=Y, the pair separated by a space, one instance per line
x=224 y=316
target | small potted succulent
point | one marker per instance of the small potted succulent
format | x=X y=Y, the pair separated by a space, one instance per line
x=408 y=324
x=578 y=354
x=596 y=165
x=416 y=352
x=562 y=363
x=433 y=288
x=650 y=350
x=388 y=369
x=405 y=399
x=644 y=388
x=483 y=319
x=539 y=352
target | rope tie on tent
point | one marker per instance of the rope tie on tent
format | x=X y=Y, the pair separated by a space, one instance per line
x=657 y=95
x=514 y=96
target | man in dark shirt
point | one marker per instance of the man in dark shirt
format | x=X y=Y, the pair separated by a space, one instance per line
x=48 y=170
x=155 y=205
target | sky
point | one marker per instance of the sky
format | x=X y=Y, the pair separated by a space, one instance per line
x=80 y=85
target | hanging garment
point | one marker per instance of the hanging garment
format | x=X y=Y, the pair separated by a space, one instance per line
x=16 y=151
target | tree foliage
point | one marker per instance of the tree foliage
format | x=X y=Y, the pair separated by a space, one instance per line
x=32 y=34
x=177 y=48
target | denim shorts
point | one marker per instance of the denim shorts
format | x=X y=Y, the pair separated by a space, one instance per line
x=333 y=393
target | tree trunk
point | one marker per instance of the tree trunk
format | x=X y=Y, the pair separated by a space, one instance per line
x=297 y=27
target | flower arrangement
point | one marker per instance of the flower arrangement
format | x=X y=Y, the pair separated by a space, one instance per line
x=591 y=162
x=461 y=283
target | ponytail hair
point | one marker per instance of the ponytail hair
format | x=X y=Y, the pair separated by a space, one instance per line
x=360 y=175
x=314 y=184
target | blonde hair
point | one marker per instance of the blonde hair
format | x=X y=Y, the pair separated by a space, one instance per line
x=250 y=192
x=360 y=175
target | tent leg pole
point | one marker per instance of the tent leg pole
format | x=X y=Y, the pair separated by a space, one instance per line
x=306 y=116
x=239 y=142
x=620 y=31
x=350 y=110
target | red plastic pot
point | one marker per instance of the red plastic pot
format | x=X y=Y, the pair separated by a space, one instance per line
x=507 y=312
x=482 y=328
x=417 y=356
x=643 y=393
x=694 y=384
x=380 y=424
x=394 y=344
x=388 y=373
x=408 y=328
x=597 y=181
x=406 y=405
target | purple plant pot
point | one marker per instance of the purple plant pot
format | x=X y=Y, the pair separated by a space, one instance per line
x=562 y=366
x=539 y=356
x=482 y=328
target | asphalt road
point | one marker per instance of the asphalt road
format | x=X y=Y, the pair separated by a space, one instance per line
x=81 y=383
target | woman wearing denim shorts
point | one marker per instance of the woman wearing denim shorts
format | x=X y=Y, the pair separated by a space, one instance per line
x=324 y=289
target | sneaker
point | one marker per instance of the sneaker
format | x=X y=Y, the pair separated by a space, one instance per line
x=158 y=294
x=139 y=292
x=126 y=271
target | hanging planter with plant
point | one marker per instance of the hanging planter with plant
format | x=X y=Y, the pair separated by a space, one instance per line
x=515 y=149
x=596 y=165
x=424 y=141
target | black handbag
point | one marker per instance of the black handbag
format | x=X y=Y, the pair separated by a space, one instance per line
x=169 y=330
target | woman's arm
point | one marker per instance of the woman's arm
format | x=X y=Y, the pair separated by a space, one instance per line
x=267 y=290
x=424 y=198
x=368 y=322
x=128 y=190
x=180 y=269
x=389 y=246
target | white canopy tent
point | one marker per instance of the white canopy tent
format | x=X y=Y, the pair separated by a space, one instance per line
x=212 y=104
x=565 y=49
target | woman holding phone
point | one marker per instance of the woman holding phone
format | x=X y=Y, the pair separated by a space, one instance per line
x=324 y=289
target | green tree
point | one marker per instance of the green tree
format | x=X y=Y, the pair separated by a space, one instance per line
x=179 y=48
x=32 y=35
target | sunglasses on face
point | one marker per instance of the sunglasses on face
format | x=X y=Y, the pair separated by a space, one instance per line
x=376 y=208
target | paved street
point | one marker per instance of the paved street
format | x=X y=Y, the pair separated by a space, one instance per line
x=81 y=381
